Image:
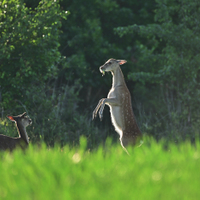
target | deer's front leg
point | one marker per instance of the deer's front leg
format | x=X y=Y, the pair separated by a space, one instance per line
x=110 y=102
x=94 y=114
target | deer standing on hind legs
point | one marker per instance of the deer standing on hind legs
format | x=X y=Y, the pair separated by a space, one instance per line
x=119 y=101
x=10 y=143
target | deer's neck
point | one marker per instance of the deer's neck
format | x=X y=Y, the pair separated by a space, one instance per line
x=22 y=132
x=118 y=77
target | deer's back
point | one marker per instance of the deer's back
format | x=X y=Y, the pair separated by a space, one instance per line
x=131 y=127
x=9 y=143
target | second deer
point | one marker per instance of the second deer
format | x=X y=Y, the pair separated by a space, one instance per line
x=10 y=143
x=119 y=101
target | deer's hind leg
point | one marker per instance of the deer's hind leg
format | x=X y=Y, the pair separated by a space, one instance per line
x=130 y=139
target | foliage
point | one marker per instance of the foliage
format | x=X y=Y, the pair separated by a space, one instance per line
x=56 y=119
x=49 y=65
x=29 y=51
x=107 y=173
x=88 y=40
x=169 y=65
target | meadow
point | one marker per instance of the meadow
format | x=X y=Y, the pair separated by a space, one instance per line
x=152 y=171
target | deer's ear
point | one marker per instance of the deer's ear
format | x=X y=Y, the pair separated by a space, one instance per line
x=23 y=114
x=11 y=118
x=121 y=62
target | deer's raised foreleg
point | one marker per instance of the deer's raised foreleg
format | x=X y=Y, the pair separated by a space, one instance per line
x=110 y=102
x=94 y=114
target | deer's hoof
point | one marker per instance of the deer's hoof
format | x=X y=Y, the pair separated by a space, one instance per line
x=94 y=115
x=100 y=117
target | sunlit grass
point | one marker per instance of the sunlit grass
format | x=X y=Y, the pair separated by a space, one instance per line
x=106 y=173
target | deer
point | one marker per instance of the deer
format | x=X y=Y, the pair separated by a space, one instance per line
x=11 y=143
x=119 y=102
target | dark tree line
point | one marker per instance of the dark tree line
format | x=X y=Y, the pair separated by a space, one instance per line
x=51 y=52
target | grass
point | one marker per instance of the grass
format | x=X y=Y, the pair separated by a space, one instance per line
x=107 y=173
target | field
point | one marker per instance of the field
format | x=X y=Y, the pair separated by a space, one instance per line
x=151 y=172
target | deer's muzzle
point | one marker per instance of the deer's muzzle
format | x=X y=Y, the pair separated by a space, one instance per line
x=102 y=70
x=30 y=121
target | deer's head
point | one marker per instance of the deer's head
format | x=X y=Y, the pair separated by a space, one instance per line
x=21 y=119
x=111 y=65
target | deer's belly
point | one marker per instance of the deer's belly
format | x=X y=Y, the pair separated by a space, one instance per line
x=117 y=119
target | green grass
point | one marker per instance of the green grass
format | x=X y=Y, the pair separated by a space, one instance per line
x=107 y=173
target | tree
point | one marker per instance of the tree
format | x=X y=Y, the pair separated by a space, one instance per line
x=170 y=64
x=56 y=91
x=88 y=40
x=29 y=47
